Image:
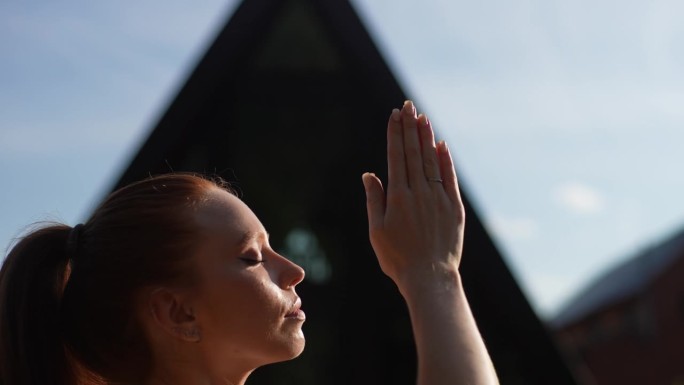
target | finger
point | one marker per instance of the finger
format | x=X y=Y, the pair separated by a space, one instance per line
x=375 y=201
x=450 y=181
x=396 y=160
x=429 y=151
x=414 y=159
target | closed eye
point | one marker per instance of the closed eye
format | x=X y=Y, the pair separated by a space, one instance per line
x=252 y=262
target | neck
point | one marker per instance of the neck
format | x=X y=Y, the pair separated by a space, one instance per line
x=188 y=373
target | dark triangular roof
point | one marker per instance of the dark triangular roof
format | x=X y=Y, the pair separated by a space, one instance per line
x=622 y=282
x=269 y=107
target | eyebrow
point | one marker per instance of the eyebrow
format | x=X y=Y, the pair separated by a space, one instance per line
x=250 y=236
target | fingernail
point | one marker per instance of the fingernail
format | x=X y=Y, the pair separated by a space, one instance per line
x=365 y=178
x=410 y=108
x=396 y=115
x=423 y=121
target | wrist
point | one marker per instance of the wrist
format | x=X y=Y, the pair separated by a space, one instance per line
x=434 y=280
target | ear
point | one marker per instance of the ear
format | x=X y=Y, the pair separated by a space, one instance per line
x=173 y=313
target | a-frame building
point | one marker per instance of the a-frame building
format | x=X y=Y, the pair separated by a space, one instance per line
x=291 y=103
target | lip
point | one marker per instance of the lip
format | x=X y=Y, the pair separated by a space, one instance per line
x=296 y=312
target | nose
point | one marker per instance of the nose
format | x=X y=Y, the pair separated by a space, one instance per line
x=289 y=273
x=297 y=274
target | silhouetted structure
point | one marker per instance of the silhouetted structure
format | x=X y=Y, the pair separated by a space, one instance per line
x=291 y=102
x=627 y=327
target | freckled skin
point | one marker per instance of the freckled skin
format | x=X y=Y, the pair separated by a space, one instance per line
x=240 y=305
x=246 y=290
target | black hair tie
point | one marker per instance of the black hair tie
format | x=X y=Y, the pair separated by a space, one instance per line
x=73 y=241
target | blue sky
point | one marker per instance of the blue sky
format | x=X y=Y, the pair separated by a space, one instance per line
x=566 y=117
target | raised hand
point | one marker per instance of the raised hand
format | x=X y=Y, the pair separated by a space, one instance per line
x=416 y=228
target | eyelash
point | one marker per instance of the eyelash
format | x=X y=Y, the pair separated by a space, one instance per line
x=252 y=262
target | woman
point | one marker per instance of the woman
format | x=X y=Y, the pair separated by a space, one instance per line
x=172 y=281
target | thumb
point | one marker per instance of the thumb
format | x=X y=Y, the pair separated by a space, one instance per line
x=375 y=200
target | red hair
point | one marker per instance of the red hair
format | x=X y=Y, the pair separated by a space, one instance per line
x=68 y=312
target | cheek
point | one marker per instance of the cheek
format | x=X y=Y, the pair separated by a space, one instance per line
x=262 y=300
x=245 y=301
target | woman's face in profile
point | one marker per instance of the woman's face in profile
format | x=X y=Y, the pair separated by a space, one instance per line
x=245 y=303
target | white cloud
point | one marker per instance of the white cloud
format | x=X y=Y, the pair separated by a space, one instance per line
x=513 y=228
x=579 y=198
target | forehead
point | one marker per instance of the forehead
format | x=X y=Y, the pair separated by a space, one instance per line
x=225 y=215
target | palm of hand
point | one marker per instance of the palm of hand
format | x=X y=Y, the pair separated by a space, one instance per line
x=416 y=229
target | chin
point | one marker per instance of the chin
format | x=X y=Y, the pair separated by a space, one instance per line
x=291 y=350
x=299 y=349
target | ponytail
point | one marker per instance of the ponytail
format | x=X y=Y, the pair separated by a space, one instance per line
x=32 y=280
